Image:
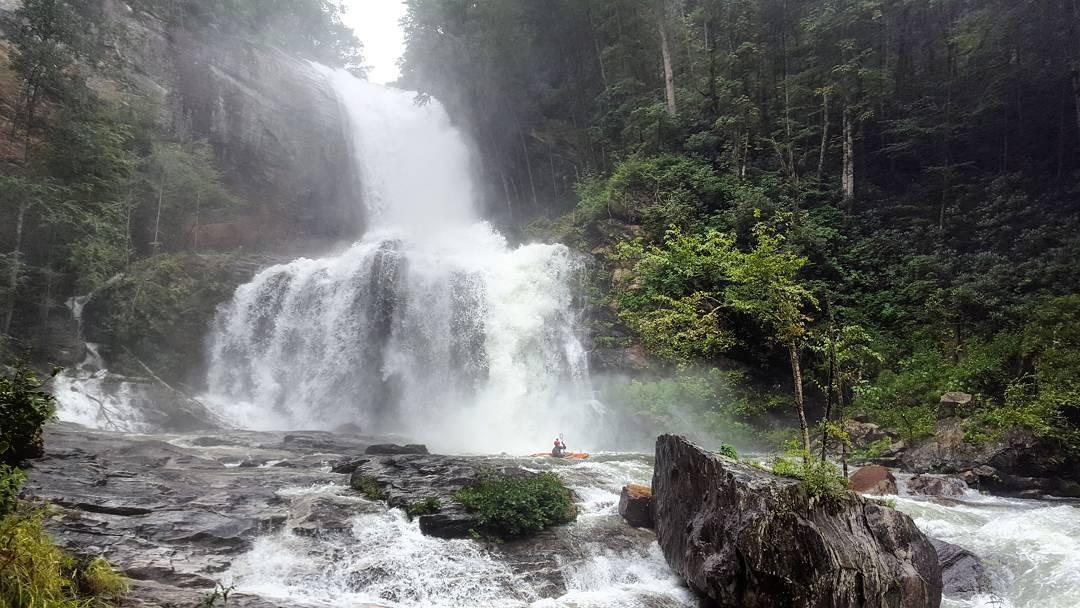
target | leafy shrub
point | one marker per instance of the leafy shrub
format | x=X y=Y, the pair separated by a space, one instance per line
x=821 y=478
x=510 y=507
x=423 y=507
x=729 y=451
x=873 y=450
x=885 y=502
x=369 y=487
x=25 y=409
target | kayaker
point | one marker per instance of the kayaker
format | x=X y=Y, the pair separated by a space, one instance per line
x=560 y=448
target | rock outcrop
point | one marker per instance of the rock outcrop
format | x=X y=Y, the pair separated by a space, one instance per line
x=390 y=449
x=410 y=479
x=952 y=404
x=1019 y=463
x=635 y=505
x=936 y=485
x=962 y=572
x=746 y=538
x=875 y=480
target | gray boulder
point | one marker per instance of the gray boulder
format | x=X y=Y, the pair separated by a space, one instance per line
x=962 y=572
x=749 y=539
x=936 y=485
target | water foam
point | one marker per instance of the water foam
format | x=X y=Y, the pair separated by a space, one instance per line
x=386 y=561
x=1031 y=548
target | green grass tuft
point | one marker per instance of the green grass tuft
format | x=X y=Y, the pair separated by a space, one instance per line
x=98 y=578
x=369 y=487
x=423 y=507
x=821 y=478
x=35 y=573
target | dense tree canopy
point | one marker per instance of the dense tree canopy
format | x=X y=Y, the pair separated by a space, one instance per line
x=920 y=159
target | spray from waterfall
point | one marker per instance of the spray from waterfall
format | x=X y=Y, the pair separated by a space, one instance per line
x=430 y=325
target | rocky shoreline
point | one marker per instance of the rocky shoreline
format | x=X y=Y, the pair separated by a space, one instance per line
x=174 y=512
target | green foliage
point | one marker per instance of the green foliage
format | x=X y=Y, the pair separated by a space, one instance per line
x=11 y=480
x=821 y=478
x=906 y=399
x=662 y=192
x=728 y=451
x=25 y=409
x=885 y=502
x=34 y=573
x=218 y=598
x=510 y=507
x=426 y=506
x=958 y=224
x=162 y=308
x=99 y=579
x=369 y=486
x=703 y=404
x=874 y=450
x=312 y=28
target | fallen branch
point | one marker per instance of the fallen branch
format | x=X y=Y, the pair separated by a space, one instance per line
x=203 y=410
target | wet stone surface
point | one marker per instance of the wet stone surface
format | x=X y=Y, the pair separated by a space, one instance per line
x=174 y=512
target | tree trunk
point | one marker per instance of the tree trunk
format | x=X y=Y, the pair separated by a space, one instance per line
x=840 y=415
x=16 y=263
x=528 y=168
x=157 y=221
x=824 y=133
x=796 y=376
x=669 y=75
x=596 y=45
x=848 y=178
x=198 y=210
x=829 y=396
x=1071 y=17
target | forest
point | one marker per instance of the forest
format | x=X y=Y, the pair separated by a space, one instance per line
x=852 y=205
x=734 y=248
x=879 y=196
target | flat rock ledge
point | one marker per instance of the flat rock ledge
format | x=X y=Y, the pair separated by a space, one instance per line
x=173 y=512
x=746 y=538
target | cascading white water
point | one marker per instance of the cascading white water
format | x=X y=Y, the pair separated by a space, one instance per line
x=430 y=324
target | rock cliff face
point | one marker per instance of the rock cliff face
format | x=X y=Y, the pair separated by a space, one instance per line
x=273 y=121
x=1018 y=463
x=746 y=538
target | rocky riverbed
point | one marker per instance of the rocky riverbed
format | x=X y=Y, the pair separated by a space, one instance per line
x=267 y=513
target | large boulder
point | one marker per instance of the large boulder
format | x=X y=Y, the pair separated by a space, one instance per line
x=936 y=485
x=962 y=572
x=635 y=505
x=875 y=480
x=746 y=538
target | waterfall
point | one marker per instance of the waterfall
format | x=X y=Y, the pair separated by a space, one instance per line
x=430 y=324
